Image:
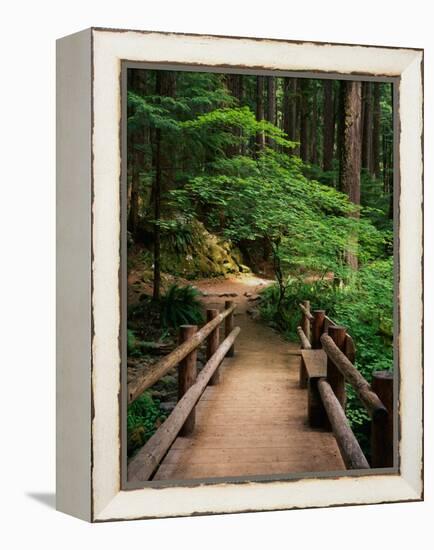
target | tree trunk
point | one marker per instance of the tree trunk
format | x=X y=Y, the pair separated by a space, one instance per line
x=340 y=100
x=286 y=106
x=314 y=127
x=234 y=83
x=289 y=114
x=157 y=217
x=391 y=164
x=271 y=105
x=133 y=215
x=351 y=152
x=235 y=86
x=137 y=82
x=297 y=118
x=293 y=110
x=304 y=120
x=329 y=126
x=260 y=138
x=164 y=166
x=387 y=163
x=376 y=130
x=367 y=126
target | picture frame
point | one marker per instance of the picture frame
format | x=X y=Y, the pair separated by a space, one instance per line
x=90 y=149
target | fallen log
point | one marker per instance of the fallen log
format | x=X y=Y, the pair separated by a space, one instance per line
x=156 y=348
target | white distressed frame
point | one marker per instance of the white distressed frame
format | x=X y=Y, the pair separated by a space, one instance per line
x=89 y=112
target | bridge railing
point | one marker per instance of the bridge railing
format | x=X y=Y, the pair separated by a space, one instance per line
x=327 y=391
x=190 y=385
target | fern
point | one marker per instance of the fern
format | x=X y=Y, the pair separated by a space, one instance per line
x=180 y=306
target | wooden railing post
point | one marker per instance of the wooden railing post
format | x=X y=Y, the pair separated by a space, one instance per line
x=334 y=377
x=305 y=325
x=382 y=425
x=212 y=344
x=317 y=328
x=229 y=325
x=187 y=373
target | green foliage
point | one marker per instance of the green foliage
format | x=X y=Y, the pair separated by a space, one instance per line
x=216 y=128
x=268 y=198
x=180 y=306
x=143 y=418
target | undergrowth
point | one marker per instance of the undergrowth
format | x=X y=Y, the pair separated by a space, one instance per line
x=143 y=419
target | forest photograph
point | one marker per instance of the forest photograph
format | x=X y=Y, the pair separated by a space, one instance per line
x=260 y=274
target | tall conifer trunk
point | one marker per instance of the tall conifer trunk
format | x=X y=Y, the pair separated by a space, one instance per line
x=314 y=126
x=286 y=107
x=271 y=105
x=260 y=138
x=367 y=126
x=137 y=83
x=293 y=110
x=304 y=120
x=351 y=153
x=164 y=173
x=235 y=86
x=329 y=126
x=376 y=130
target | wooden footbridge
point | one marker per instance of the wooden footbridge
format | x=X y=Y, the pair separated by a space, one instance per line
x=270 y=408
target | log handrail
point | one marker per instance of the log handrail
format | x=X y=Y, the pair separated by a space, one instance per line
x=306 y=312
x=361 y=386
x=349 y=447
x=146 y=461
x=162 y=367
x=305 y=344
x=331 y=322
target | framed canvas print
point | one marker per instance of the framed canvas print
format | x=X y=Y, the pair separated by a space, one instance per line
x=239 y=274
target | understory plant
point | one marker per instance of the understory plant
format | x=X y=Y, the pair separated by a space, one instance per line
x=143 y=418
x=180 y=305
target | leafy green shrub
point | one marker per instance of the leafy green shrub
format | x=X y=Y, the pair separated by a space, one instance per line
x=143 y=418
x=321 y=293
x=181 y=306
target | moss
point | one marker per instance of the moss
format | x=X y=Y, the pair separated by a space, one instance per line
x=207 y=256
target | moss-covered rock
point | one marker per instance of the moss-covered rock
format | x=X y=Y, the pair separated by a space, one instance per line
x=206 y=256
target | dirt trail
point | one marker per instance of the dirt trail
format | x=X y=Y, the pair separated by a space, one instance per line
x=239 y=285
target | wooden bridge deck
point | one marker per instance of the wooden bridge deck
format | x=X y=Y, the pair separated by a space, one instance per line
x=255 y=421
